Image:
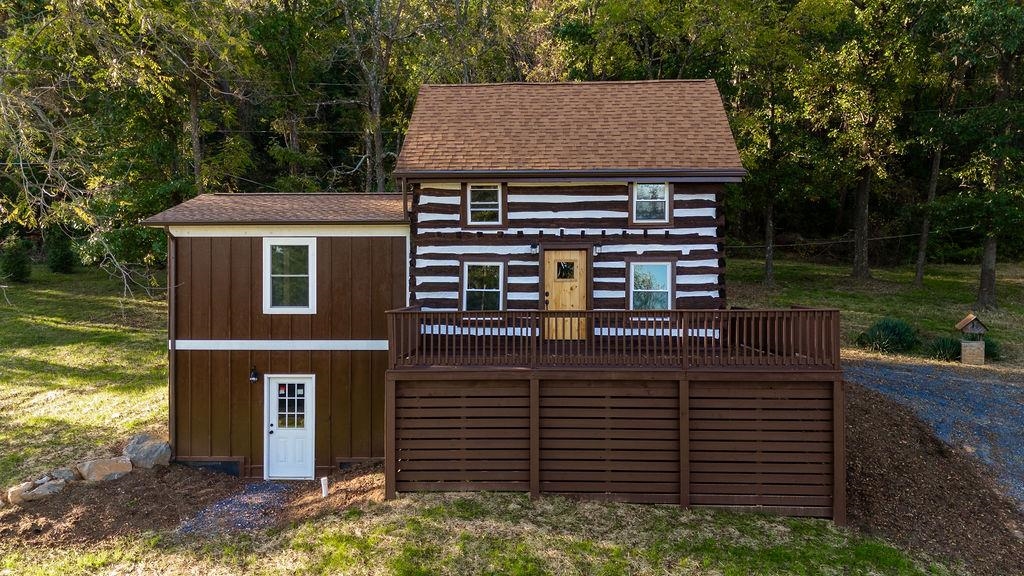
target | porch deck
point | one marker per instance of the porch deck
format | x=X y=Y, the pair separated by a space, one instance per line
x=780 y=339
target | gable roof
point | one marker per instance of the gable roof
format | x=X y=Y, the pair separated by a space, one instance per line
x=264 y=208
x=659 y=127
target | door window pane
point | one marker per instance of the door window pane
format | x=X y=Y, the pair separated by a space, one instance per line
x=565 y=270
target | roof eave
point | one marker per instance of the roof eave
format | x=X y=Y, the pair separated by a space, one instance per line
x=165 y=223
x=704 y=174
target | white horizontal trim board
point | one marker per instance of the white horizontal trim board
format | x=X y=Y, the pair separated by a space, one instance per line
x=424 y=250
x=522 y=295
x=698 y=294
x=693 y=197
x=562 y=198
x=442 y=186
x=294 y=230
x=697 y=263
x=642 y=248
x=609 y=264
x=593 y=233
x=426 y=279
x=437 y=295
x=428 y=217
x=279 y=345
x=607 y=248
x=447 y=200
x=421 y=262
x=697 y=279
x=513 y=215
x=609 y=293
x=523 y=280
x=694 y=212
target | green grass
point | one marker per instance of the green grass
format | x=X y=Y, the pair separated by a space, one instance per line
x=80 y=369
x=507 y=534
x=948 y=294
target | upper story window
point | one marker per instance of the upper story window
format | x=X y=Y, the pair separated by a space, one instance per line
x=651 y=203
x=483 y=285
x=289 y=275
x=650 y=286
x=483 y=204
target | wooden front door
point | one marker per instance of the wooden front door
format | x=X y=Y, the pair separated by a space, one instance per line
x=565 y=288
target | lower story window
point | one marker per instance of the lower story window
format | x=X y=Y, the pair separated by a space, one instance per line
x=482 y=286
x=650 y=286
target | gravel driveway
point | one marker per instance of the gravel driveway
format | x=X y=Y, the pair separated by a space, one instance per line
x=982 y=413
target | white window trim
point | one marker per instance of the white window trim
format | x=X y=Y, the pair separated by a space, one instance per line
x=668 y=204
x=501 y=283
x=267 y=244
x=669 y=275
x=469 y=204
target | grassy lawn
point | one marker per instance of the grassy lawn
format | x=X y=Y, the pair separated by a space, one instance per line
x=505 y=534
x=80 y=369
x=948 y=294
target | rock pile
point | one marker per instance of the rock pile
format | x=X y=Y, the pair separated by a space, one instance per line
x=142 y=451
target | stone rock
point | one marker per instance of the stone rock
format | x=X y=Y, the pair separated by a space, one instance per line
x=65 y=474
x=146 y=451
x=15 y=494
x=43 y=480
x=49 y=489
x=105 y=469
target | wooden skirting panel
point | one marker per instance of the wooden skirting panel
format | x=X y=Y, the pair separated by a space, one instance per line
x=457 y=436
x=618 y=438
x=771 y=442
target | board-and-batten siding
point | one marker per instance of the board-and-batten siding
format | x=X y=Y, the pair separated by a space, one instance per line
x=217 y=414
x=580 y=214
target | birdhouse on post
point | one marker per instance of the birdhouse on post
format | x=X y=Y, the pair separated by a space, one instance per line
x=972 y=344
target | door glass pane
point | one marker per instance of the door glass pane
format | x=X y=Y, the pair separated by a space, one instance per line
x=282 y=420
x=300 y=421
x=565 y=270
x=300 y=406
x=281 y=405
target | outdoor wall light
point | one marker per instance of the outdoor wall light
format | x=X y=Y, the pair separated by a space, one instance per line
x=534 y=249
x=597 y=249
x=254 y=376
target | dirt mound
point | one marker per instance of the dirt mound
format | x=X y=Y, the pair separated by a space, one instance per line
x=356 y=485
x=145 y=500
x=910 y=488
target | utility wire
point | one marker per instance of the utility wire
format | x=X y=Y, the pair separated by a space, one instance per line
x=829 y=242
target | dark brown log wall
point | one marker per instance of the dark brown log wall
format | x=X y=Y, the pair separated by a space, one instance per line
x=220 y=290
x=766 y=440
x=219 y=415
x=571 y=215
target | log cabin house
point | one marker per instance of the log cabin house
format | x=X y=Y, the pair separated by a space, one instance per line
x=541 y=308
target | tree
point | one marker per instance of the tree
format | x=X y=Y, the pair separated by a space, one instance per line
x=853 y=88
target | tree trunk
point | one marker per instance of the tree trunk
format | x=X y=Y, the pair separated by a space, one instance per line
x=368 y=170
x=378 y=140
x=293 y=142
x=987 y=288
x=769 y=244
x=922 y=245
x=193 y=128
x=861 y=267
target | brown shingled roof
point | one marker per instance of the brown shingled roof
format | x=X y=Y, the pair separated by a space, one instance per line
x=585 y=127
x=284 y=209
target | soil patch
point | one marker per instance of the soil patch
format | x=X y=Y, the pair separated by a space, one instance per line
x=145 y=500
x=356 y=485
x=907 y=486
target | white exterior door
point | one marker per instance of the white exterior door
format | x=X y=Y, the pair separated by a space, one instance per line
x=289 y=438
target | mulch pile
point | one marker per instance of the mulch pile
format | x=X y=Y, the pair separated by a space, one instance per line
x=910 y=488
x=356 y=485
x=145 y=500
